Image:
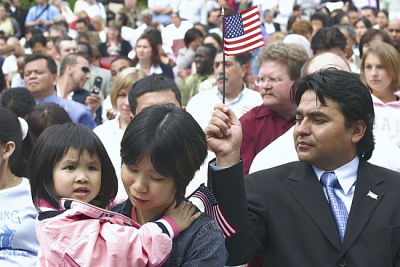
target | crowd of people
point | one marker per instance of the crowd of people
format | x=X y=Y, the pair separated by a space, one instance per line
x=113 y=113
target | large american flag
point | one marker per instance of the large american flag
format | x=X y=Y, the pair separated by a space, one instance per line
x=243 y=32
x=211 y=207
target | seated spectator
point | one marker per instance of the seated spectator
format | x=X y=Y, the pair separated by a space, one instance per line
x=214 y=39
x=328 y=39
x=303 y=27
x=240 y=98
x=372 y=37
x=382 y=19
x=193 y=39
x=38 y=44
x=8 y=24
x=114 y=44
x=204 y=59
x=40 y=76
x=91 y=7
x=42 y=15
x=362 y=26
x=148 y=58
x=318 y=21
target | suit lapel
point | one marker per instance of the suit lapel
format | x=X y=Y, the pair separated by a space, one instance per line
x=363 y=205
x=307 y=190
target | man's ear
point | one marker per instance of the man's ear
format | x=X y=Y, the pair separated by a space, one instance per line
x=359 y=129
x=131 y=116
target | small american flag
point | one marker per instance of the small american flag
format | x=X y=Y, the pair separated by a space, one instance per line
x=211 y=207
x=243 y=32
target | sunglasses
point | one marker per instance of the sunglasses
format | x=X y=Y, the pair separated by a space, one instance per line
x=85 y=69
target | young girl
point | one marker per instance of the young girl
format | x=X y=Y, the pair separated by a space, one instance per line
x=72 y=181
x=161 y=149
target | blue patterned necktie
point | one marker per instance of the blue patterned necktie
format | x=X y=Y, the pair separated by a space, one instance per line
x=339 y=211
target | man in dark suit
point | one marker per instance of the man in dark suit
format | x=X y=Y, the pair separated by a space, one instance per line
x=285 y=214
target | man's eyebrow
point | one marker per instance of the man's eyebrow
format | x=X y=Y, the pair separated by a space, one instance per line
x=312 y=114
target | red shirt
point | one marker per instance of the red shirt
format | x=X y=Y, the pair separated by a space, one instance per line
x=260 y=127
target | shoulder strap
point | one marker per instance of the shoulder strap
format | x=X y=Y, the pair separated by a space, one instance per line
x=41 y=12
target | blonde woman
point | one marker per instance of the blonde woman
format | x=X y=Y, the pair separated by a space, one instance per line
x=380 y=72
x=111 y=132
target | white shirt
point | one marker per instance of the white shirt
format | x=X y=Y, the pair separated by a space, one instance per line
x=18 y=246
x=92 y=10
x=201 y=106
x=110 y=135
x=171 y=32
x=346 y=176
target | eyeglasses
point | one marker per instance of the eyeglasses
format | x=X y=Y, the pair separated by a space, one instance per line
x=262 y=80
x=85 y=69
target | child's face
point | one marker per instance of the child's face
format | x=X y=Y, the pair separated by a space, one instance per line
x=75 y=179
x=150 y=192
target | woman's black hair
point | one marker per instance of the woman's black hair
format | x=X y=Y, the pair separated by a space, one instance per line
x=52 y=145
x=10 y=130
x=172 y=140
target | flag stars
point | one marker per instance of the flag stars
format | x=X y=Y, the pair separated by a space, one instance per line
x=235 y=25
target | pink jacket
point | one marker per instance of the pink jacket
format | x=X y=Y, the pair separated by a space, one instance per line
x=81 y=234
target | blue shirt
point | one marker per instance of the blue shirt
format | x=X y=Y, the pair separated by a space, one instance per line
x=78 y=112
x=47 y=15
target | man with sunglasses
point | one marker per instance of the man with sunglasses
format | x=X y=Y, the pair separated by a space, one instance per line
x=74 y=72
x=280 y=66
x=40 y=78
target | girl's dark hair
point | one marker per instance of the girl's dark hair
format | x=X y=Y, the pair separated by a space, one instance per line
x=45 y=115
x=52 y=145
x=10 y=130
x=172 y=140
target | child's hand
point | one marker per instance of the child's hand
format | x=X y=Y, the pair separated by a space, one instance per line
x=182 y=214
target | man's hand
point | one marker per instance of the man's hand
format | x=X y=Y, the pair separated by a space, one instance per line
x=93 y=102
x=224 y=136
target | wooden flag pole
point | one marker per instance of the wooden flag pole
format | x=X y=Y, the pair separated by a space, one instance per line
x=223 y=53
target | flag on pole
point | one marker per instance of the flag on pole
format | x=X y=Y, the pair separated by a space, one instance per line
x=211 y=207
x=243 y=32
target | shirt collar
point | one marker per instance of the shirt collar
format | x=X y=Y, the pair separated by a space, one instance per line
x=234 y=101
x=346 y=174
x=50 y=98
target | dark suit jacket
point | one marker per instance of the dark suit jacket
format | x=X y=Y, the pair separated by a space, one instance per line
x=285 y=217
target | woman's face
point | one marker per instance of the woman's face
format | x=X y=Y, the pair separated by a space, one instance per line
x=123 y=104
x=3 y=12
x=143 y=49
x=360 y=30
x=382 y=20
x=376 y=75
x=150 y=192
x=113 y=34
